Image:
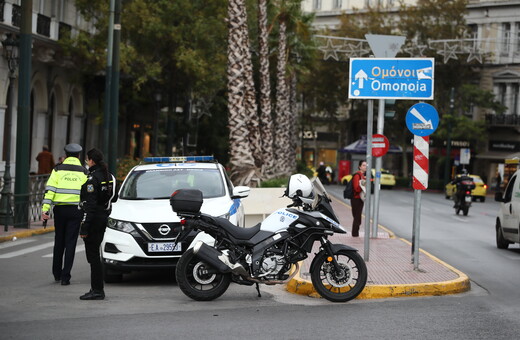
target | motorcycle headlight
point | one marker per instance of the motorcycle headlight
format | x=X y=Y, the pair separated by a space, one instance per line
x=123 y=226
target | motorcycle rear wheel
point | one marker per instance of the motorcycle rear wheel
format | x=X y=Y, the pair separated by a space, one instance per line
x=340 y=286
x=197 y=284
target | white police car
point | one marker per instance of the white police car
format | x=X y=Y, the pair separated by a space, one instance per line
x=142 y=228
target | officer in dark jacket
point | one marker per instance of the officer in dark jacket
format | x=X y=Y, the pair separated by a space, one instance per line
x=97 y=195
x=462 y=183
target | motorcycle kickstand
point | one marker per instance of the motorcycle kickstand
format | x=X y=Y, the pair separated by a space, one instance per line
x=258 y=289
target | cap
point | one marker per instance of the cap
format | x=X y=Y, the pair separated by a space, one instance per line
x=73 y=148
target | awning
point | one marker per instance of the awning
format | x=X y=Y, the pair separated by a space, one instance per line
x=497 y=155
x=360 y=147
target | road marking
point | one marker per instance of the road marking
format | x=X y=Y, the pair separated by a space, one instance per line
x=79 y=248
x=26 y=250
x=460 y=219
x=8 y=244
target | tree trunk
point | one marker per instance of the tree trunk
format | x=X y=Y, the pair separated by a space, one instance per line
x=241 y=157
x=283 y=121
x=266 y=121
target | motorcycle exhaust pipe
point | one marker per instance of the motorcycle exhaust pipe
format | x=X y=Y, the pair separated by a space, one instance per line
x=217 y=259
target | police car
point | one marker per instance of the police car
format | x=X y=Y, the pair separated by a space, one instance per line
x=142 y=228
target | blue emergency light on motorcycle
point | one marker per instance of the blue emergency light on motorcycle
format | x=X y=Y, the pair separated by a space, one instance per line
x=179 y=159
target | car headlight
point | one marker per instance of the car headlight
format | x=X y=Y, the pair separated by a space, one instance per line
x=123 y=226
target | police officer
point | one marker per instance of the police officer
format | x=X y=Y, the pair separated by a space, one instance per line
x=62 y=192
x=97 y=195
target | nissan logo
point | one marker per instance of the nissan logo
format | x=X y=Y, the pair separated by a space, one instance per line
x=164 y=229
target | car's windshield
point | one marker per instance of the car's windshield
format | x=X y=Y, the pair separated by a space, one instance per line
x=161 y=183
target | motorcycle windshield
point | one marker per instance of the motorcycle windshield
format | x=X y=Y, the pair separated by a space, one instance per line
x=318 y=189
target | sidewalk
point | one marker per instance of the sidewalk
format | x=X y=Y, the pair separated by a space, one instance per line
x=35 y=228
x=390 y=271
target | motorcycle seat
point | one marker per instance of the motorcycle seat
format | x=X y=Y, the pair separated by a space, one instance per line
x=237 y=232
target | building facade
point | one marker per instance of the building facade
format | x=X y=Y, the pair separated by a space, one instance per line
x=57 y=93
x=494 y=43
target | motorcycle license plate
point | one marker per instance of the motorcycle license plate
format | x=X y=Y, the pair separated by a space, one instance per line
x=467 y=198
x=164 y=247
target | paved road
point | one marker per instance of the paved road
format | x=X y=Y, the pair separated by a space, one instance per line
x=32 y=306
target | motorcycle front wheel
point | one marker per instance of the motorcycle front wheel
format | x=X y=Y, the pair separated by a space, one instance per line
x=198 y=280
x=343 y=285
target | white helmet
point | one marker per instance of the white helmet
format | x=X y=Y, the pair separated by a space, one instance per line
x=299 y=185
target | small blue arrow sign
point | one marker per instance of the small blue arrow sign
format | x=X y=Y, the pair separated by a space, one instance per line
x=422 y=119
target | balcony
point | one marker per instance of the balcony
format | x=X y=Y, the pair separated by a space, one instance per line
x=502 y=120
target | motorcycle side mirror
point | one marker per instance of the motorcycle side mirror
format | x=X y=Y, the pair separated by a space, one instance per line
x=498 y=197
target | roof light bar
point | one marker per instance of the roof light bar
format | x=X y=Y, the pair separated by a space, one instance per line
x=179 y=159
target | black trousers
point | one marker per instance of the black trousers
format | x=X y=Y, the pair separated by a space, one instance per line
x=357 y=209
x=67 y=219
x=93 y=241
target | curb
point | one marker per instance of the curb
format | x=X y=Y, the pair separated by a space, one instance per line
x=460 y=285
x=26 y=233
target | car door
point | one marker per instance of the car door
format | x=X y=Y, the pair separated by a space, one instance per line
x=511 y=210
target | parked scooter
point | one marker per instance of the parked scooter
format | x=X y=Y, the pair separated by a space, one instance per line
x=269 y=252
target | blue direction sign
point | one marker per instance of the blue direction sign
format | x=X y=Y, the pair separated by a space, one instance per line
x=391 y=78
x=422 y=119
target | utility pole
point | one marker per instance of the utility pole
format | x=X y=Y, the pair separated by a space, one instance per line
x=21 y=185
x=114 y=93
x=447 y=169
x=108 y=81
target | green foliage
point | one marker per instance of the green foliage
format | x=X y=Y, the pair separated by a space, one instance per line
x=302 y=168
x=124 y=166
x=280 y=182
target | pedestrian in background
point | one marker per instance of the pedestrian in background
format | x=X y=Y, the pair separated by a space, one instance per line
x=97 y=195
x=45 y=161
x=62 y=193
x=358 y=197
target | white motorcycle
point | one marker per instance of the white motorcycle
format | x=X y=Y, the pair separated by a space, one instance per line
x=267 y=252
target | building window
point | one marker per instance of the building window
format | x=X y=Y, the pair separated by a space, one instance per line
x=506 y=38
x=502 y=88
x=517 y=38
x=316 y=4
x=337 y=4
x=514 y=102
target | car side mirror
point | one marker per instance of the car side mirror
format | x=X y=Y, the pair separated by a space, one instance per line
x=498 y=197
x=240 y=191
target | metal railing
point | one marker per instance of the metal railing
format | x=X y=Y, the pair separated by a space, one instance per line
x=501 y=119
x=26 y=208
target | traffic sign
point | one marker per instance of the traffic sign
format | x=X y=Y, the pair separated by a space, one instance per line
x=420 y=162
x=380 y=145
x=422 y=119
x=391 y=78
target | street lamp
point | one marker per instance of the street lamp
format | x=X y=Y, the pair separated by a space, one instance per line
x=10 y=52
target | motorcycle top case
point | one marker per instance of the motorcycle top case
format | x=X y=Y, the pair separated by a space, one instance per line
x=186 y=201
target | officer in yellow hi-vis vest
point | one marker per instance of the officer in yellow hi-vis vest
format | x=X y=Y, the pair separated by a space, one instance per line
x=63 y=191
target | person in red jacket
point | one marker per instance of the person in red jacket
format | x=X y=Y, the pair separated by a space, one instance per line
x=358 y=198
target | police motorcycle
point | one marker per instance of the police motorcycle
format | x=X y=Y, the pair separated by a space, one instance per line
x=269 y=252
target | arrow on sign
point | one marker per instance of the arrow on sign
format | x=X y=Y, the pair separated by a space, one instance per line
x=361 y=75
x=425 y=124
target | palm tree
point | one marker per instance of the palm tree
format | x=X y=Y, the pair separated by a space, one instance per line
x=266 y=121
x=241 y=157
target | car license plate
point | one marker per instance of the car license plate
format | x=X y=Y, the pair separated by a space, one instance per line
x=467 y=198
x=164 y=247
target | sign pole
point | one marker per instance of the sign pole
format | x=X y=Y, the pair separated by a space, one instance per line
x=370 y=120
x=379 y=163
